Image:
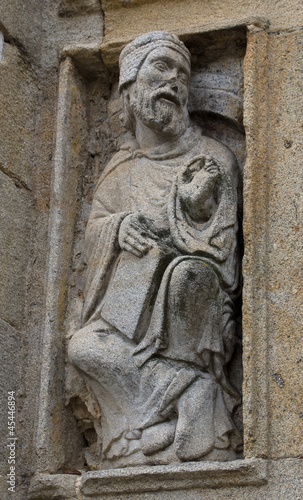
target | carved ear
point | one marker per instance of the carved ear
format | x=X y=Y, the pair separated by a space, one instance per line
x=119 y=112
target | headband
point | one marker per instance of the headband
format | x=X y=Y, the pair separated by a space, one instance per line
x=134 y=54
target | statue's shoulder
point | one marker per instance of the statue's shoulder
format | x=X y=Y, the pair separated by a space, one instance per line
x=120 y=157
x=219 y=151
x=119 y=161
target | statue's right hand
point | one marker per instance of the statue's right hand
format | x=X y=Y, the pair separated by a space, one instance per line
x=132 y=235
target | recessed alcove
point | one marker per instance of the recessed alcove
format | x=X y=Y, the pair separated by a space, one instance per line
x=88 y=134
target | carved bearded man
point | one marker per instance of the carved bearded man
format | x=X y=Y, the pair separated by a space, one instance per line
x=158 y=326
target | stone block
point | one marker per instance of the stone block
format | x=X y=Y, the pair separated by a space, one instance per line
x=10 y=376
x=22 y=22
x=172 y=478
x=272 y=312
x=59 y=486
x=284 y=244
x=78 y=7
x=14 y=249
x=255 y=189
x=127 y=19
x=17 y=118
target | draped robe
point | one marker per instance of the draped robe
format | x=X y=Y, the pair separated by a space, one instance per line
x=165 y=352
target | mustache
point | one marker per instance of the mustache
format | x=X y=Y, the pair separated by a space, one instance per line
x=167 y=94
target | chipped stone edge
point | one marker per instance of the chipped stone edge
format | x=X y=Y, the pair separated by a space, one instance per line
x=158 y=478
x=87 y=59
x=110 y=48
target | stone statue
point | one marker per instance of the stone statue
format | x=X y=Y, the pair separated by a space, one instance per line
x=163 y=271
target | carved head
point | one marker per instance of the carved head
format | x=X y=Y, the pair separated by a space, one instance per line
x=154 y=81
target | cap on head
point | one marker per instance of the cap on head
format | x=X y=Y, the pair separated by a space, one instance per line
x=134 y=54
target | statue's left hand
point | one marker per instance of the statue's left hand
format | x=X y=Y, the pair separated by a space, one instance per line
x=204 y=174
x=197 y=189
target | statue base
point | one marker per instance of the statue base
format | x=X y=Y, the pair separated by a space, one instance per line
x=167 y=482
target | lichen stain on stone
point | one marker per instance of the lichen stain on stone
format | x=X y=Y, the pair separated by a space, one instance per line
x=278 y=379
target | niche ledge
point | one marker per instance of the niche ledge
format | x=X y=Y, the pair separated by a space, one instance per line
x=187 y=476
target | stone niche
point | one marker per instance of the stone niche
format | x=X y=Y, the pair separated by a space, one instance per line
x=216 y=104
x=89 y=132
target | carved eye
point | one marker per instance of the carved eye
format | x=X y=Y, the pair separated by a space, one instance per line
x=161 y=66
x=183 y=78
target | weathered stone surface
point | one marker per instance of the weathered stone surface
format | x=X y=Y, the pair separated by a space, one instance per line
x=15 y=230
x=1 y=45
x=123 y=20
x=254 y=264
x=78 y=7
x=22 y=21
x=127 y=19
x=207 y=36
x=10 y=377
x=285 y=482
x=18 y=100
x=273 y=285
x=73 y=29
x=174 y=477
x=87 y=59
x=57 y=438
x=58 y=486
x=284 y=244
x=43 y=28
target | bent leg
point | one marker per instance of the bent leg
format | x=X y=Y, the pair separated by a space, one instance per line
x=195 y=428
x=105 y=356
x=193 y=315
x=106 y=362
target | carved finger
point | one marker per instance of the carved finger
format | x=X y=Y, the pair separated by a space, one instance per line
x=129 y=248
x=138 y=238
x=212 y=168
x=134 y=244
x=141 y=245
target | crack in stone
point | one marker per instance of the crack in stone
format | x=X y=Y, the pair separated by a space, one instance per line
x=18 y=182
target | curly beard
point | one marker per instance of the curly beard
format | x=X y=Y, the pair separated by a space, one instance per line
x=156 y=112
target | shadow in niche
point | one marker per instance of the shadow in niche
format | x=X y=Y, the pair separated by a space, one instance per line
x=216 y=99
x=231 y=134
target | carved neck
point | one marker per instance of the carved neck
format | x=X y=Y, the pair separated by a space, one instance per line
x=150 y=139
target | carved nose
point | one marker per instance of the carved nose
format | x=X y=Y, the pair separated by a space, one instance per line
x=174 y=86
x=173 y=81
x=172 y=75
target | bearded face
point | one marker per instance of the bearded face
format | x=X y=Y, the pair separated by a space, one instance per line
x=158 y=98
x=159 y=109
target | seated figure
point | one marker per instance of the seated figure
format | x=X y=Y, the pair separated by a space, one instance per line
x=163 y=271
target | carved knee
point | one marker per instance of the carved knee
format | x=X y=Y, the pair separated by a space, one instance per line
x=78 y=348
x=194 y=276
